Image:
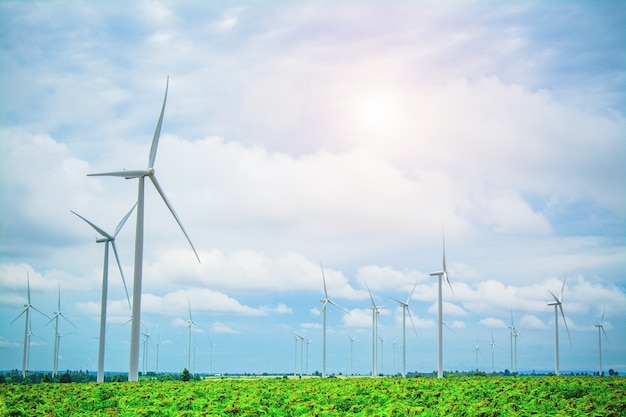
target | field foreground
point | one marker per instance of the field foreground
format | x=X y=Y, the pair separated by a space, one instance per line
x=523 y=396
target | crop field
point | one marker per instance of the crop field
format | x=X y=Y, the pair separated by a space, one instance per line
x=471 y=396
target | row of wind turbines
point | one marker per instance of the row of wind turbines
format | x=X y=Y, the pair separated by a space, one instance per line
x=514 y=332
x=109 y=238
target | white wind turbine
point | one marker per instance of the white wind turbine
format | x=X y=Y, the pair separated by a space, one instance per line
x=351 y=350
x=190 y=324
x=375 y=313
x=405 y=309
x=493 y=345
x=211 y=356
x=146 y=344
x=106 y=239
x=26 y=311
x=57 y=336
x=476 y=350
x=325 y=301
x=558 y=305
x=440 y=274
x=601 y=330
x=157 y=343
x=296 y=338
x=141 y=174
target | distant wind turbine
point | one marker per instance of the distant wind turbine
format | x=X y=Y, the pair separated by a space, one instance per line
x=558 y=305
x=106 y=239
x=440 y=274
x=405 y=309
x=351 y=350
x=26 y=312
x=57 y=336
x=601 y=330
x=190 y=324
x=325 y=301
x=157 y=343
x=493 y=345
x=476 y=350
x=375 y=313
x=211 y=356
x=141 y=174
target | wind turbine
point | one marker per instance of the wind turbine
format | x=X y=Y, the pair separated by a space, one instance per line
x=493 y=345
x=405 y=309
x=440 y=274
x=476 y=350
x=141 y=174
x=295 y=353
x=325 y=301
x=26 y=311
x=211 y=356
x=308 y=342
x=375 y=313
x=57 y=336
x=382 y=354
x=558 y=305
x=146 y=344
x=190 y=324
x=601 y=330
x=351 y=350
x=158 y=343
x=106 y=239
x=512 y=332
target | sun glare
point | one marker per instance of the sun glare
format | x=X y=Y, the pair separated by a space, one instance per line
x=377 y=111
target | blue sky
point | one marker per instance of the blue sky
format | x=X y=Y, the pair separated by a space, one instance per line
x=295 y=133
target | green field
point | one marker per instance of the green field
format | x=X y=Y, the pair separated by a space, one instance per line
x=471 y=396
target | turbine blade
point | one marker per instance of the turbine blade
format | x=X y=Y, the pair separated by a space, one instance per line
x=67 y=320
x=444 y=248
x=562 y=287
x=606 y=337
x=339 y=307
x=564 y=321
x=19 y=315
x=448 y=281
x=157 y=131
x=40 y=312
x=412 y=324
x=319 y=315
x=96 y=228
x=370 y=293
x=554 y=296
x=603 y=311
x=135 y=173
x=408 y=300
x=169 y=206
x=123 y=221
x=119 y=265
x=398 y=301
x=189 y=305
x=28 y=286
x=59 y=298
x=324 y=279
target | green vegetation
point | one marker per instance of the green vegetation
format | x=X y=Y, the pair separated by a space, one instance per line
x=471 y=396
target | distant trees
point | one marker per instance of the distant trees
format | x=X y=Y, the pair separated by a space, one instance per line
x=184 y=376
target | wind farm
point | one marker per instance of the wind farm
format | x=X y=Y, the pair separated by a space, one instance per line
x=414 y=359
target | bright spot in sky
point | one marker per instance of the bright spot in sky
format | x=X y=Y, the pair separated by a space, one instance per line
x=377 y=111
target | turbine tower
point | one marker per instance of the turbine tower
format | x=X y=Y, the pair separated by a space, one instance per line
x=325 y=301
x=558 y=305
x=440 y=274
x=375 y=313
x=141 y=174
x=405 y=309
x=601 y=330
x=106 y=239
x=27 y=332
x=57 y=336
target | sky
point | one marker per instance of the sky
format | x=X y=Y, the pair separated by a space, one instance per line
x=353 y=135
